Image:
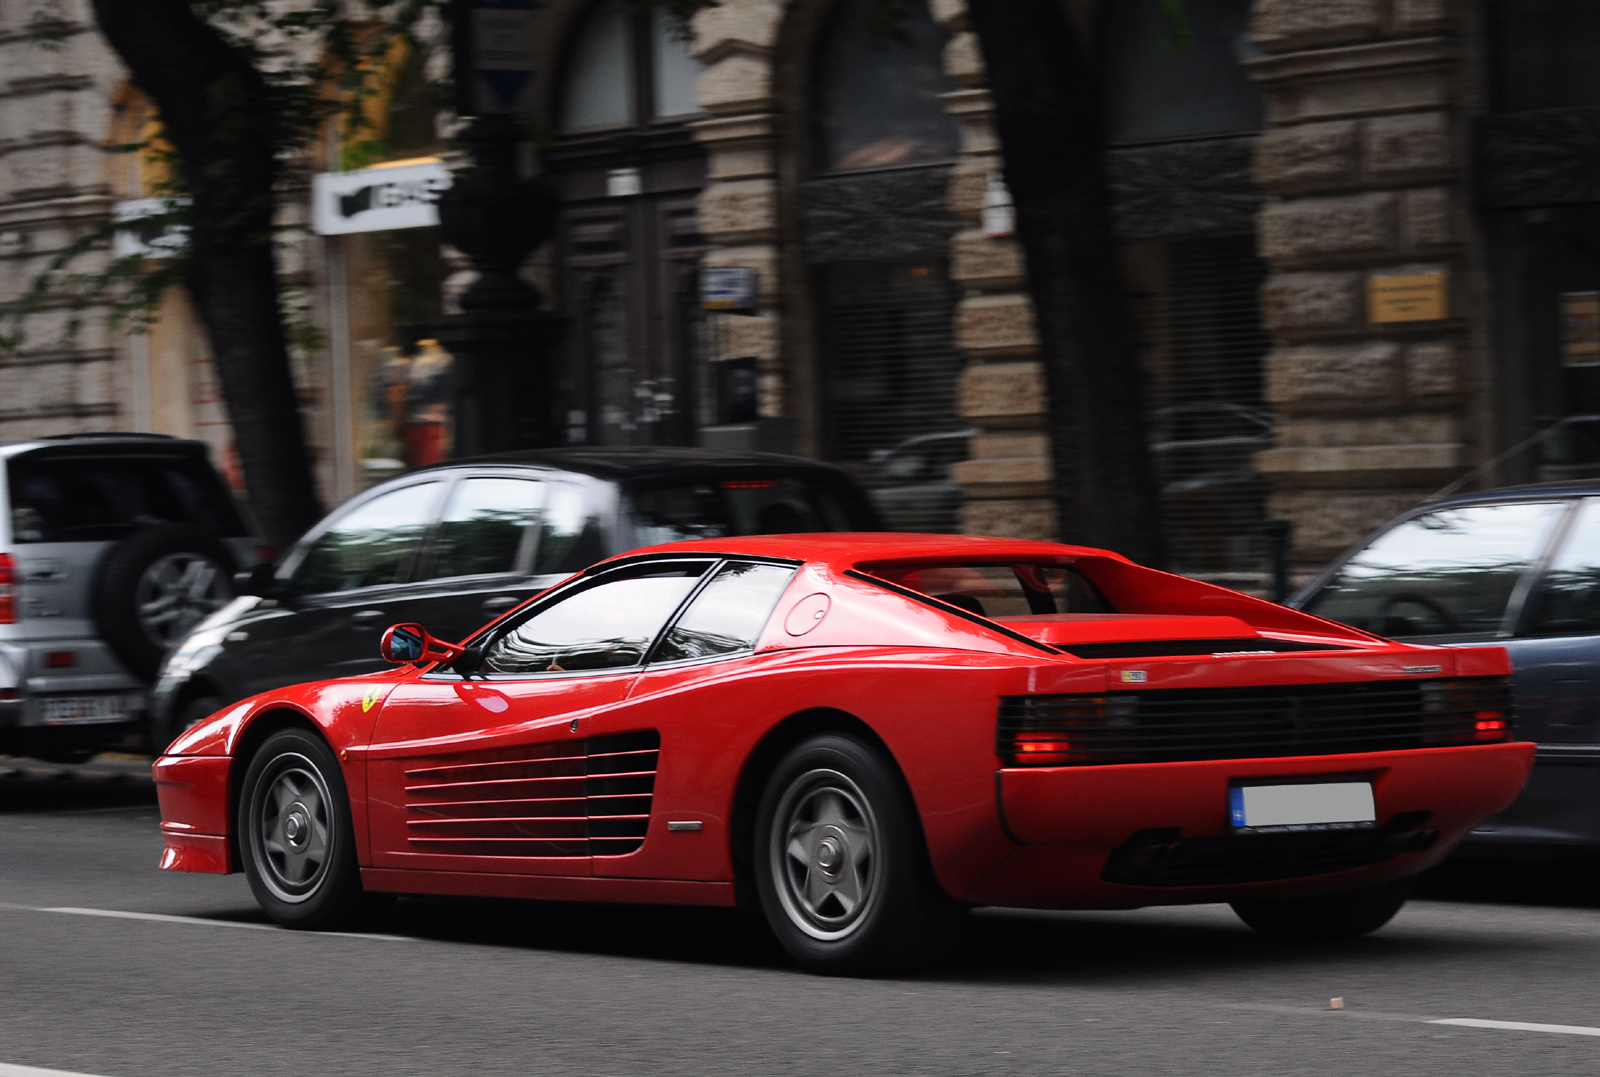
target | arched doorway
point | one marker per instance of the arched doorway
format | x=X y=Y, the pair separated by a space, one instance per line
x=628 y=174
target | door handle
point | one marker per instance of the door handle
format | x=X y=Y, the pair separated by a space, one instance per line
x=494 y=607
x=366 y=619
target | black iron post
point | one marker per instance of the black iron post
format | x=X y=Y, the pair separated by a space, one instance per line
x=501 y=342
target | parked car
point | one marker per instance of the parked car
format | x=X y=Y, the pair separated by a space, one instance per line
x=863 y=735
x=911 y=483
x=459 y=543
x=1515 y=568
x=112 y=547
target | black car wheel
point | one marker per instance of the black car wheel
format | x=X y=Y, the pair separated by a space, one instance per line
x=154 y=586
x=295 y=835
x=841 y=868
x=1328 y=917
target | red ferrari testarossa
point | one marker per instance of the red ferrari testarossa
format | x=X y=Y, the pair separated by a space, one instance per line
x=864 y=735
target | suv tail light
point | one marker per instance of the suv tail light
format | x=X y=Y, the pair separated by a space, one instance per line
x=8 y=590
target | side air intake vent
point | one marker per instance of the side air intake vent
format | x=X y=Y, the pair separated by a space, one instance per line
x=574 y=798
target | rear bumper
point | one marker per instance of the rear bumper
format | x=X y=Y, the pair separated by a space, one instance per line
x=193 y=792
x=1159 y=833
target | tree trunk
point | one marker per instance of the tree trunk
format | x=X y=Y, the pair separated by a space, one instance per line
x=1047 y=114
x=219 y=116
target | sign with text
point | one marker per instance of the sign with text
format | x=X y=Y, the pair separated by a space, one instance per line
x=500 y=52
x=1411 y=297
x=404 y=194
x=731 y=289
x=1580 y=328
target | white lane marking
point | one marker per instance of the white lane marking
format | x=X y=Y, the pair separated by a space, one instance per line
x=167 y=918
x=9 y=1070
x=1518 y=1026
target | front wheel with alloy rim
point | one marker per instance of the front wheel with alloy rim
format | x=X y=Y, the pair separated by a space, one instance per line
x=841 y=868
x=295 y=834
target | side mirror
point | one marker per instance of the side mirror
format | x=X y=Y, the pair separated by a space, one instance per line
x=404 y=643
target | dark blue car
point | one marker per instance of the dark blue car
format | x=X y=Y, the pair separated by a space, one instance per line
x=1517 y=568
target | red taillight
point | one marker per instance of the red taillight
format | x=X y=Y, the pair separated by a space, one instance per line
x=1490 y=726
x=1043 y=751
x=267 y=553
x=749 y=484
x=61 y=659
x=8 y=592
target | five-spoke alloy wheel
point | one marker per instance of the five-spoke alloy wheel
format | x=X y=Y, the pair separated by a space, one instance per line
x=295 y=833
x=841 y=867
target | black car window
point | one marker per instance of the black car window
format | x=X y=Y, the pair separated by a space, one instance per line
x=728 y=614
x=670 y=513
x=95 y=498
x=484 y=525
x=569 y=532
x=606 y=624
x=1451 y=571
x=370 y=545
x=1568 y=600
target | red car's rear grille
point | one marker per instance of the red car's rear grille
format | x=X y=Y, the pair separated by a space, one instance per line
x=573 y=798
x=1252 y=722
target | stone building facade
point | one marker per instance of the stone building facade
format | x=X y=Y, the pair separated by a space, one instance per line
x=1355 y=238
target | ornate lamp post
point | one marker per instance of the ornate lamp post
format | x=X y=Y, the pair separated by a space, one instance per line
x=501 y=341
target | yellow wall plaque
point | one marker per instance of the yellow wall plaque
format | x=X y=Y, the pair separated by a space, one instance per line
x=1415 y=297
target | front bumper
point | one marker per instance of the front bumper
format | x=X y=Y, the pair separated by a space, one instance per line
x=1159 y=833
x=195 y=827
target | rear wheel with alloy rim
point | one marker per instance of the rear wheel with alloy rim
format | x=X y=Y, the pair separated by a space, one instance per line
x=295 y=833
x=841 y=867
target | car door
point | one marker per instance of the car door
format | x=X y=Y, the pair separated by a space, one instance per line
x=1556 y=652
x=694 y=697
x=503 y=771
x=350 y=580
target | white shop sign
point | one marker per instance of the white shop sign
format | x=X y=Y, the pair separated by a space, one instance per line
x=404 y=194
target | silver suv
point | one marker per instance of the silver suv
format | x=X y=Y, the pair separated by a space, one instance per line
x=112 y=547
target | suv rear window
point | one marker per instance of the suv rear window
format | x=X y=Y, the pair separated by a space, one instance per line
x=98 y=498
x=715 y=509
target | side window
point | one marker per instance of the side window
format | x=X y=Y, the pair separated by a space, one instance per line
x=605 y=625
x=569 y=533
x=1445 y=572
x=728 y=615
x=483 y=526
x=372 y=544
x=1568 y=602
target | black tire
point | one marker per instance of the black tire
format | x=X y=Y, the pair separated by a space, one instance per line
x=191 y=714
x=140 y=562
x=1328 y=917
x=311 y=880
x=864 y=900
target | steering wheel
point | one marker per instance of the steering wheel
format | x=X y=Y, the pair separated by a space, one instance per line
x=1431 y=610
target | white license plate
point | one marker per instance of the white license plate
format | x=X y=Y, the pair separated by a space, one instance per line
x=1327 y=804
x=83 y=710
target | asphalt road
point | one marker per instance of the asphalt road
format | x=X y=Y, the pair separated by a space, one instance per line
x=197 y=983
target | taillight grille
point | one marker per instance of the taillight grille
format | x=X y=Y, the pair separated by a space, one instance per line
x=1252 y=722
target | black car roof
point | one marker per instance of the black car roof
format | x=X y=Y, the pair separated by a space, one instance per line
x=1528 y=491
x=627 y=463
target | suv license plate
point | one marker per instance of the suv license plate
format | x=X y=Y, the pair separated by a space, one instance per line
x=83 y=710
x=1322 y=805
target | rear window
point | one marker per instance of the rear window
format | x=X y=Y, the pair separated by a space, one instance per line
x=715 y=509
x=1003 y=590
x=93 y=498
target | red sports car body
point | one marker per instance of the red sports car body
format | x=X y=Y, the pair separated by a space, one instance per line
x=865 y=734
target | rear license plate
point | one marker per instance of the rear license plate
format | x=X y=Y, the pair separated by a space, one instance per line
x=1326 y=805
x=83 y=710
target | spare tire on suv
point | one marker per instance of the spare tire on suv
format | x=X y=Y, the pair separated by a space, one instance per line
x=155 y=585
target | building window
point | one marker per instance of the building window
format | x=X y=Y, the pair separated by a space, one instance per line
x=625 y=63
x=877 y=92
x=1178 y=76
x=1545 y=53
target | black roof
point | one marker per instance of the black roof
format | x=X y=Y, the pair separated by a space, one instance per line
x=627 y=463
x=1562 y=488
